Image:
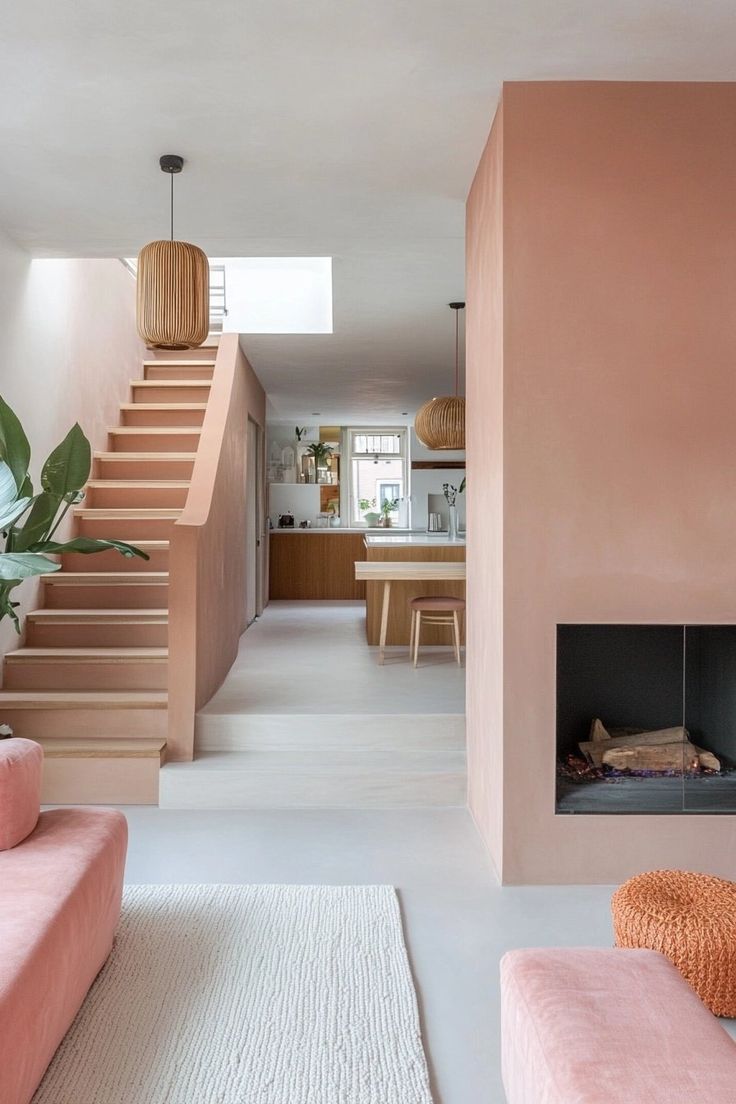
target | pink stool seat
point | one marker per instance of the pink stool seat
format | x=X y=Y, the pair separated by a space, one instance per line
x=437 y=603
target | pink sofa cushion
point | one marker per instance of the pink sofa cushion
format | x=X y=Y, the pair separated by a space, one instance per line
x=586 y=1026
x=21 y=762
x=60 y=894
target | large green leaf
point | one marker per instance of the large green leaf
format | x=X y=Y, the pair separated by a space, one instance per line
x=38 y=524
x=14 y=447
x=8 y=489
x=86 y=545
x=14 y=567
x=12 y=512
x=67 y=468
x=8 y=608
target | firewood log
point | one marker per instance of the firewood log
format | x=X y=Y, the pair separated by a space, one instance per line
x=593 y=749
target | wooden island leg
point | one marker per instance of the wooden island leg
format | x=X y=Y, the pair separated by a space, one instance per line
x=384 y=619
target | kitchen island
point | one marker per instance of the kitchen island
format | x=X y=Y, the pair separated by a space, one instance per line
x=316 y=564
x=407 y=548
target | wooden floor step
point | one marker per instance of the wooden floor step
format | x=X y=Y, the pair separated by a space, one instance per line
x=170 y=391
x=154 y=439
x=126 y=524
x=133 y=493
x=76 y=668
x=178 y=369
x=160 y=415
x=98 y=714
x=106 y=589
x=98 y=771
x=143 y=465
x=157 y=551
x=97 y=628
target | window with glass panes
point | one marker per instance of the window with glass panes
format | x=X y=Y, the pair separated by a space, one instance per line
x=378 y=470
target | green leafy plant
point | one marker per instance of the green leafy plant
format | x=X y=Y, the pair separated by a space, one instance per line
x=461 y=488
x=28 y=521
x=366 y=504
x=388 y=506
x=320 y=453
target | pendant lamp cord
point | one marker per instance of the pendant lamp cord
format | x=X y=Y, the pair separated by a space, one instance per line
x=172 y=205
x=457 y=350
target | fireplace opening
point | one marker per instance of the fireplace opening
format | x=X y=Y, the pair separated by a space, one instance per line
x=646 y=719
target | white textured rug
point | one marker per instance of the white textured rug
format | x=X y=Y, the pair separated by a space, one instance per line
x=248 y=995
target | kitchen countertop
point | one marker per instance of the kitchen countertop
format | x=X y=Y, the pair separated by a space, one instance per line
x=401 y=540
x=328 y=529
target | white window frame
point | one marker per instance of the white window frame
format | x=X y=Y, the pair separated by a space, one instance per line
x=348 y=455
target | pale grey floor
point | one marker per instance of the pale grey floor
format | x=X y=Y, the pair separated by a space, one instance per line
x=458 y=921
x=312 y=657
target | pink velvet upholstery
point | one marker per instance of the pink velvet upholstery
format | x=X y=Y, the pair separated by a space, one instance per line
x=60 y=892
x=21 y=762
x=609 y=1027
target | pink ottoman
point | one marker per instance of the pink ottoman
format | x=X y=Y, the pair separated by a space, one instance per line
x=60 y=891
x=609 y=1027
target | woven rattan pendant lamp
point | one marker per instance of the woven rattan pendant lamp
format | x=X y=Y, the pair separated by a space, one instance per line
x=440 y=423
x=173 y=303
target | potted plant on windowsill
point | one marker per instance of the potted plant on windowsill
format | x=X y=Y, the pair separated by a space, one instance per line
x=29 y=520
x=388 y=506
x=370 y=516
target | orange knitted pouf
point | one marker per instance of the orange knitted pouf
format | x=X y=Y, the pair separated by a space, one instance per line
x=691 y=918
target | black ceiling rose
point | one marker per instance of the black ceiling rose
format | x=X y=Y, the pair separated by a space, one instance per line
x=171 y=163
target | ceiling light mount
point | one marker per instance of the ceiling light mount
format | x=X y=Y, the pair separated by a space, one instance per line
x=171 y=163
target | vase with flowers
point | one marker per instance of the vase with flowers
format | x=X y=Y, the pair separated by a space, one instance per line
x=450 y=494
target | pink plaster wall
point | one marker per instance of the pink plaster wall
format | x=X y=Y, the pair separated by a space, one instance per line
x=207 y=592
x=484 y=429
x=69 y=351
x=619 y=419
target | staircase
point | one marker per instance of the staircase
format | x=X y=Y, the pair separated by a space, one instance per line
x=90 y=684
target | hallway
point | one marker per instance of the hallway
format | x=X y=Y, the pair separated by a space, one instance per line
x=307 y=718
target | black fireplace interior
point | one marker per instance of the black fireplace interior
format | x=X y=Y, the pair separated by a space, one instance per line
x=646 y=677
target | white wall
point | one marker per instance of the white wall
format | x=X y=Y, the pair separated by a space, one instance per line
x=69 y=347
x=429 y=481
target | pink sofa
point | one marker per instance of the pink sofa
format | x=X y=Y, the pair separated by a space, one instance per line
x=609 y=1027
x=61 y=876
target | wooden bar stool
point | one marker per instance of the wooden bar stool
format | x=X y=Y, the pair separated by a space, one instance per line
x=434 y=611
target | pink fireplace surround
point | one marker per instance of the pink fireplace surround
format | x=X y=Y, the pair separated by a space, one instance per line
x=601 y=338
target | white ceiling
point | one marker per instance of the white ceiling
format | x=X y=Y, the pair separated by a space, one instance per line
x=309 y=127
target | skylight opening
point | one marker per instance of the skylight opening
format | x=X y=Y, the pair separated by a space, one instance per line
x=277 y=295
x=272 y=295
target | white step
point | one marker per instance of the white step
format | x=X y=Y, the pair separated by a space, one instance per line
x=298 y=780
x=329 y=731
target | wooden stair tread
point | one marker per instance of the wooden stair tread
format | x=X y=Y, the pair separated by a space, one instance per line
x=102 y=654
x=124 y=512
x=108 y=578
x=58 y=748
x=125 y=457
x=127 y=615
x=83 y=699
x=142 y=483
x=165 y=431
x=178 y=407
x=179 y=363
x=145 y=544
x=173 y=383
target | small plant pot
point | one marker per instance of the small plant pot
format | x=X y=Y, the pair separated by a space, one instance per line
x=372 y=520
